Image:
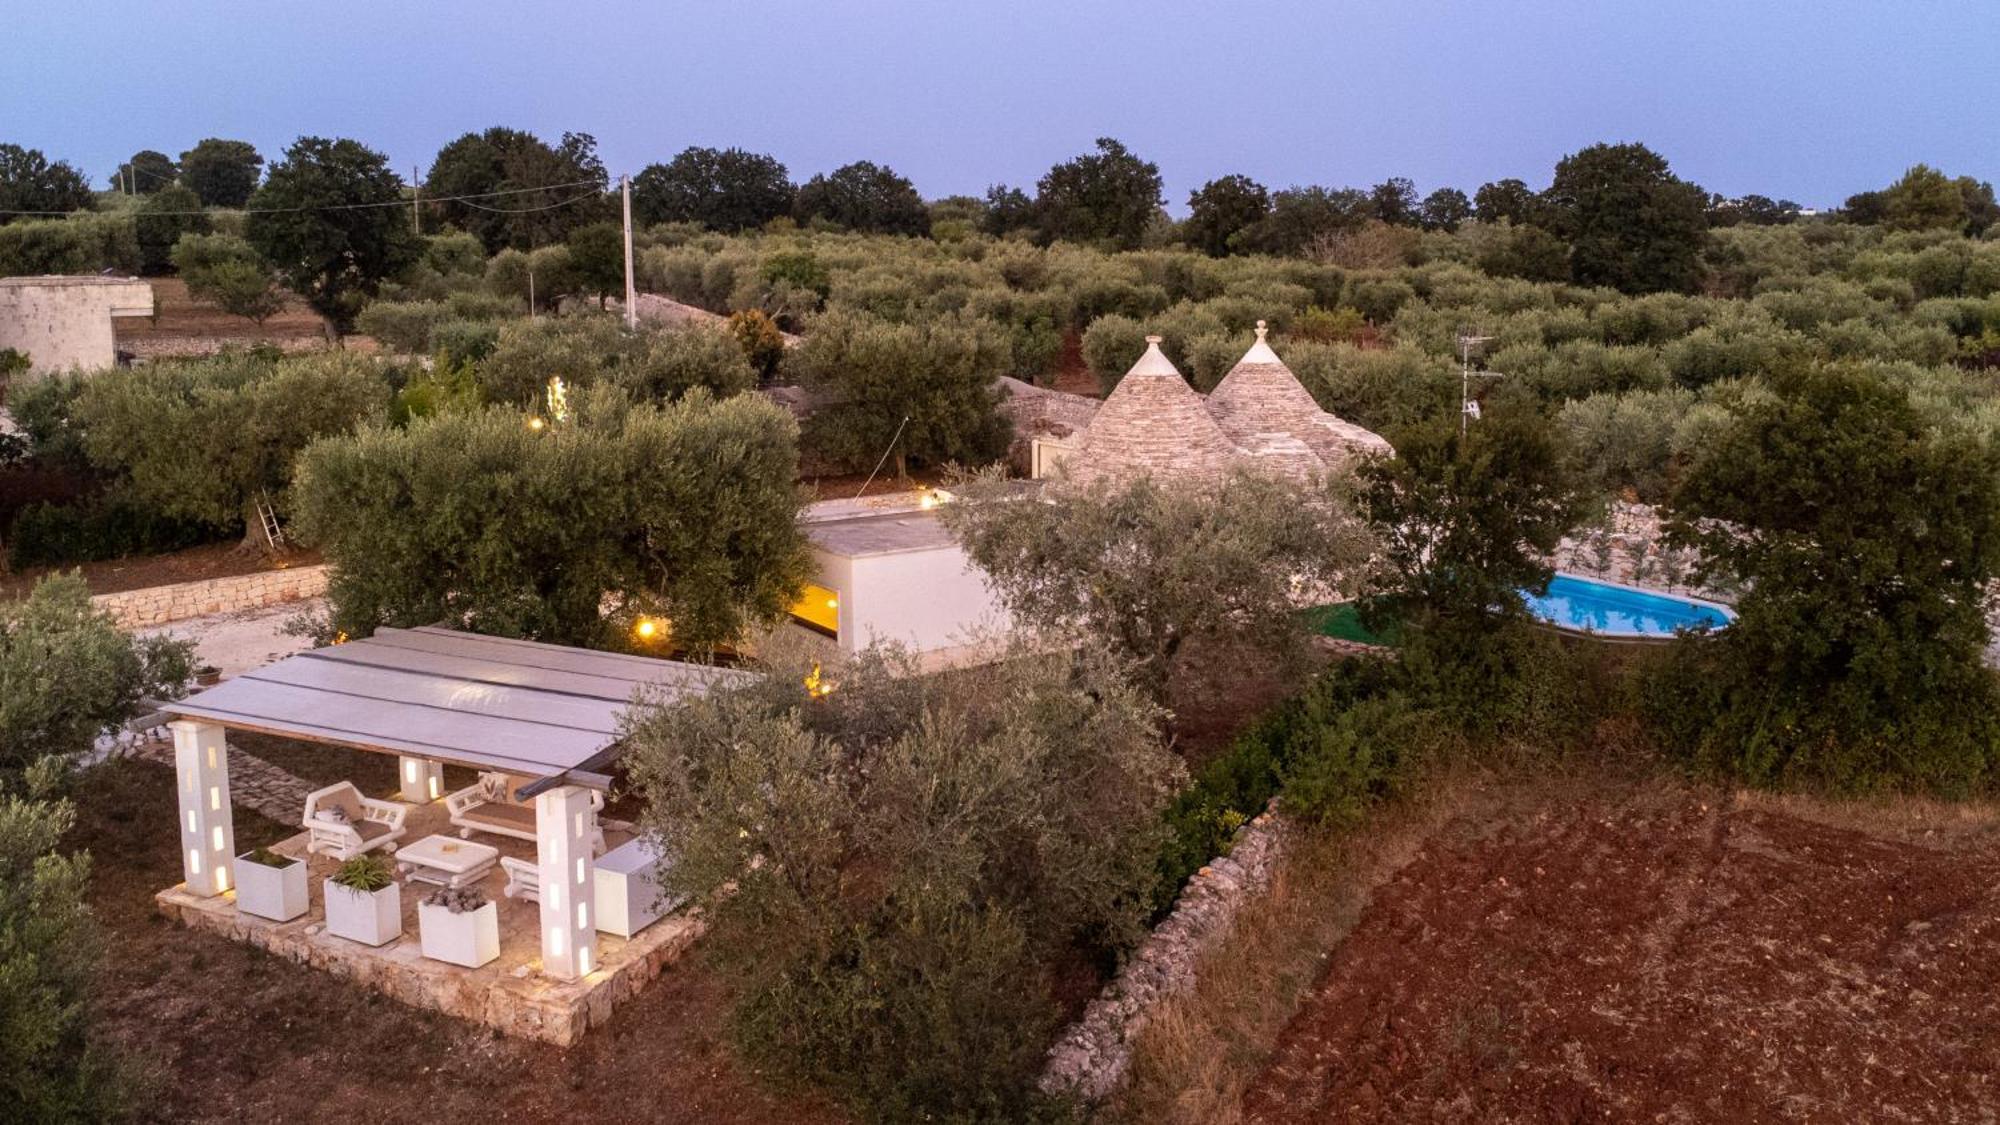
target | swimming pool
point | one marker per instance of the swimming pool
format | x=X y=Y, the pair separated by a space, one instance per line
x=1605 y=610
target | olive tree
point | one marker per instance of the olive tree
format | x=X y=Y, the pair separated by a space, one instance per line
x=653 y=363
x=204 y=440
x=227 y=272
x=479 y=519
x=222 y=172
x=67 y=672
x=895 y=865
x=53 y=1069
x=925 y=391
x=1157 y=572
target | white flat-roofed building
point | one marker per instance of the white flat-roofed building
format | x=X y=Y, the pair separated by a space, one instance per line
x=890 y=571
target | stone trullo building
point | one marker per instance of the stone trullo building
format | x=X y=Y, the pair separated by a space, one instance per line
x=1259 y=415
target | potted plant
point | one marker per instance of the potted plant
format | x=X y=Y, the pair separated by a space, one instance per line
x=208 y=675
x=363 y=902
x=458 y=925
x=270 y=885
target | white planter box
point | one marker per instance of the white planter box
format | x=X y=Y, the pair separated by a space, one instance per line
x=277 y=893
x=471 y=938
x=628 y=889
x=371 y=918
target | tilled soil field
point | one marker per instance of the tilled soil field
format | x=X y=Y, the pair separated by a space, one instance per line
x=1699 y=960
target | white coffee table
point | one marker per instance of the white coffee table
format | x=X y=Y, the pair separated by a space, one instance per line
x=447 y=860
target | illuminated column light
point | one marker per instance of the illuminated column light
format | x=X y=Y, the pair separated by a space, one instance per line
x=208 y=832
x=564 y=826
x=419 y=780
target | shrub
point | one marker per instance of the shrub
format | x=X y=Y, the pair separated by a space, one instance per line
x=402 y=326
x=51 y=535
x=763 y=345
x=948 y=841
x=66 y=672
x=225 y=271
x=54 y=1068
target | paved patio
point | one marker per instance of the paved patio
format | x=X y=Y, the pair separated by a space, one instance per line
x=510 y=994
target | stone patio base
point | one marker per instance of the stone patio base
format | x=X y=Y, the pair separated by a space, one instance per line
x=509 y=995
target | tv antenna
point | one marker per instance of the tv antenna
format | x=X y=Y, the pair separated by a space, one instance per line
x=1468 y=407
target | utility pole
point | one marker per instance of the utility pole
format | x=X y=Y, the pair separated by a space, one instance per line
x=416 y=199
x=631 y=290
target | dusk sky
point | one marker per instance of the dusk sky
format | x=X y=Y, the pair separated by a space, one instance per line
x=1805 y=101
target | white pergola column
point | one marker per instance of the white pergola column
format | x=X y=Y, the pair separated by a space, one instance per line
x=564 y=826
x=419 y=780
x=208 y=828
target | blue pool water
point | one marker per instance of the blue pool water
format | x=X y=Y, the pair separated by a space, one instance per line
x=1614 y=611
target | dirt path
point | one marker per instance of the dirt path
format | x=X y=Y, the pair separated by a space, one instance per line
x=1685 y=961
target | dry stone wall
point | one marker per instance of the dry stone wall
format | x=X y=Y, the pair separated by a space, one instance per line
x=1092 y=1057
x=157 y=605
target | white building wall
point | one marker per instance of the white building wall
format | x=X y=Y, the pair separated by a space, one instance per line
x=933 y=601
x=64 y=323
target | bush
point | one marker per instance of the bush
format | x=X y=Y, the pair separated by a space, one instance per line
x=53 y=1069
x=949 y=843
x=66 y=672
x=401 y=326
x=654 y=364
x=51 y=535
x=79 y=244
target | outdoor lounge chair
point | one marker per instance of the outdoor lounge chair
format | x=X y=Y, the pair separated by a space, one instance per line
x=488 y=806
x=343 y=824
x=524 y=879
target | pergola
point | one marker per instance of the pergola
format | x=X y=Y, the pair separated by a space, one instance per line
x=541 y=712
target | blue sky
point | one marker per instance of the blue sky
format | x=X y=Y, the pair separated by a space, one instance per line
x=1806 y=101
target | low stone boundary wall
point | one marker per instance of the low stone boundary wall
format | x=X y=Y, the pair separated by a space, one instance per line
x=1092 y=1057
x=157 y=605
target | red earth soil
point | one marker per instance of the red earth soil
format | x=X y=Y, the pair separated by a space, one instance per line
x=1684 y=961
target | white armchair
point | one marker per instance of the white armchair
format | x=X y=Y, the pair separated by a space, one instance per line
x=343 y=824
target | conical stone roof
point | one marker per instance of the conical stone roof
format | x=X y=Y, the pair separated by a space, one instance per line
x=1152 y=424
x=1260 y=395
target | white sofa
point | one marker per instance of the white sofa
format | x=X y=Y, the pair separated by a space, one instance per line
x=343 y=824
x=488 y=805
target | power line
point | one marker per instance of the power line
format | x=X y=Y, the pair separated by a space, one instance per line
x=530 y=210
x=382 y=203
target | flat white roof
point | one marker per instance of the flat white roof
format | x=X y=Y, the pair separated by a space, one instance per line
x=491 y=703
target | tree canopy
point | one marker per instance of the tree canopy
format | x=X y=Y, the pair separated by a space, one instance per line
x=866 y=197
x=874 y=374
x=311 y=221
x=29 y=182
x=227 y=272
x=145 y=173
x=161 y=222
x=722 y=189
x=1221 y=209
x=222 y=172
x=1631 y=224
x=1155 y=572
x=1865 y=540
x=895 y=869
x=200 y=440
x=1109 y=196
x=536 y=211
x=684 y=512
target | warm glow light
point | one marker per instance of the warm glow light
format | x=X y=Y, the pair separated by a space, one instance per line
x=558 y=399
x=410 y=770
x=221 y=879
x=536 y=423
x=340 y=638
x=833 y=603
x=817 y=685
x=556 y=940
x=646 y=628
x=929 y=501
x=434 y=789
x=583 y=960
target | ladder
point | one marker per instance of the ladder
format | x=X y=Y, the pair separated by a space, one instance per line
x=268 y=516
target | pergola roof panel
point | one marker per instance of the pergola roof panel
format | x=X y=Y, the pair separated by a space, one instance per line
x=529 y=709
